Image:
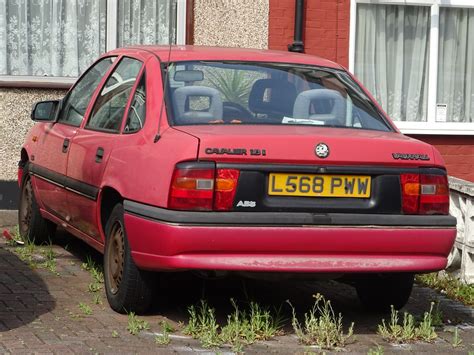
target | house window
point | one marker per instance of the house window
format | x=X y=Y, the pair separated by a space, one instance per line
x=417 y=58
x=146 y=22
x=60 y=39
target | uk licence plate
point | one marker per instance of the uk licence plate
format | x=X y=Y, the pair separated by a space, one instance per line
x=312 y=185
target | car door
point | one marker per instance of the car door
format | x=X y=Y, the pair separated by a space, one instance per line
x=49 y=164
x=92 y=145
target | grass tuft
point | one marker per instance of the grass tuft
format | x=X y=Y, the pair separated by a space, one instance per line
x=85 y=308
x=203 y=325
x=450 y=286
x=136 y=325
x=408 y=331
x=321 y=326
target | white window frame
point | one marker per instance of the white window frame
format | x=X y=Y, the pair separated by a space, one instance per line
x=110 y=44
x=430 y=126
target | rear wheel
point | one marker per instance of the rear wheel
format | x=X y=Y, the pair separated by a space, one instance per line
x=128 y=289
x=380 y=291
x=32 y=226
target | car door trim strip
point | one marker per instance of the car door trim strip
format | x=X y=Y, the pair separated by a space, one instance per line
x=78 y=187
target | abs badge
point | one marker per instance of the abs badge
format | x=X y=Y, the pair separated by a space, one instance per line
x=322 y=150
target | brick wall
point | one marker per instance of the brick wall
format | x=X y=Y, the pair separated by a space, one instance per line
x=326 y=34
x=326 y=27
x=457 y=151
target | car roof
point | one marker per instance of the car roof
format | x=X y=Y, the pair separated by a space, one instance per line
x=190 y=53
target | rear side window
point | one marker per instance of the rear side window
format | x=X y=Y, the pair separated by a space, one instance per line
x=109 y=107
x=137 y=112
x=268 y=93
x=76 y=102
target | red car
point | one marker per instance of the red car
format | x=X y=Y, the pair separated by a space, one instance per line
x=232 y=160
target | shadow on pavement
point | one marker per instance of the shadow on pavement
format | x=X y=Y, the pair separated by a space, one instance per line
x=24 y=295
x=175 y=292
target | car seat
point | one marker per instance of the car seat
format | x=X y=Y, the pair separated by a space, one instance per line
x=273 y=97
x=184 y=114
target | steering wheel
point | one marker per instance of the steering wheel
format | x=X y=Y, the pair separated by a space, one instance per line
x=234 y=111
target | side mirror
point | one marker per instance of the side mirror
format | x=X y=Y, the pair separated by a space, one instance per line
x=45 y=111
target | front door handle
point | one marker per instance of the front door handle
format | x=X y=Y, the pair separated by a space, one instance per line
x=99 y=154
x=65 y=145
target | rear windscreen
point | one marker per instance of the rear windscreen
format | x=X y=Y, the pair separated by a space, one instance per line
x=267 y=93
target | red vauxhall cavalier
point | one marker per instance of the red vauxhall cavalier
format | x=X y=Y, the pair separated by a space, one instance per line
x=232 y=160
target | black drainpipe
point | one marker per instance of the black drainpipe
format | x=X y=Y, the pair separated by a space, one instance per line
x=298 y=45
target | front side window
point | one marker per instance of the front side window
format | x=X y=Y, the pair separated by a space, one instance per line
x=109 y=107
x=268 y=93
x=51 y=37
x=76 y=102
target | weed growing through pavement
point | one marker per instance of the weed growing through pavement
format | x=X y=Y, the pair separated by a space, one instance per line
x=437 y=316
x=115 y=334
x=407 y=331
x=164 y=337
x=378 y=350
x=85 y=308
x=135 y=324
x=457 y=341
x=321 y=326
x=450 y=286
x=96 y=273
x=203 y=325
x=97 y=299
x=243 y=327
x=37 y=256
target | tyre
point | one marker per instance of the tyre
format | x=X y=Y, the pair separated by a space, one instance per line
x=32 y=226
x=379 y=292
x=128 y=289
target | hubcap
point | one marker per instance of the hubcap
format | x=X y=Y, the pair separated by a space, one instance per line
x=115 y=257
x=26 y=208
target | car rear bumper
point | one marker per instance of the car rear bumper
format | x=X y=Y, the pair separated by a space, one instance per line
x=281 y=242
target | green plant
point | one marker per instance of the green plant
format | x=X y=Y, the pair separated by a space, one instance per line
x=234 y=85
x=247 y=327
x=457 y=341
x=167 y=327
x=202 y=325
x=449 y=285
x=375 y=351
x=321 y=326
x=115 y=334
x=437 y=316
x=163 y=339
x=425 y=330
x=135 y=324
x=97 y=298
x=407 y=331
x=85 y=308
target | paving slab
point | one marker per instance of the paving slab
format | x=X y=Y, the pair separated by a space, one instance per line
x=41 y=312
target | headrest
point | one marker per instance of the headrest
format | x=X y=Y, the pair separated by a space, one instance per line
x=279 y=101
x=319 y=99
x=183 y=114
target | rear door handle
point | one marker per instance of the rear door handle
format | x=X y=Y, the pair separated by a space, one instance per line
x=65 y=145
x=99 y=155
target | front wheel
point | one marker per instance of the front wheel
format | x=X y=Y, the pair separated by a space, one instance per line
x=128 y=289
x=379 y=292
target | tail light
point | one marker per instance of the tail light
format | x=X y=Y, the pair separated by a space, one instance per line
x=424 y=194
x=201 y=187
x=225 y=187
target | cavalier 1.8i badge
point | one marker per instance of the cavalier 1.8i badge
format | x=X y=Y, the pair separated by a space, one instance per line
x=322 y=150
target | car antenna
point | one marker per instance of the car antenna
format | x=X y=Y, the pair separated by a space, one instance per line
x=165 y=91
